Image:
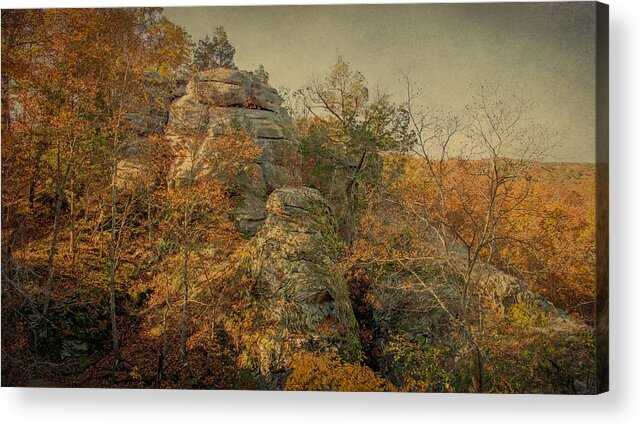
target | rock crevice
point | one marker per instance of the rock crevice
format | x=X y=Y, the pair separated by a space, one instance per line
x=302 y=290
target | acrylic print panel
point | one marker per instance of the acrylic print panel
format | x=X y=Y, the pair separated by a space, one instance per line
x=402 y=198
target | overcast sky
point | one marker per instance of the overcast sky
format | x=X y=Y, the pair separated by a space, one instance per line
x=543 y=51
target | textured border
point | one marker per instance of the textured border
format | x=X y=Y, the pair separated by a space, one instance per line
x=602 y=196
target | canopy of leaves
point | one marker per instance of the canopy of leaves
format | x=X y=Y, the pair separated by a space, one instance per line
x=215 y=51
x=343 y=132
x=70 y=79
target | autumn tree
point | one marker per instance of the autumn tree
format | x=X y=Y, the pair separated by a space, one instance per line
x=215 y=51
x=23 y=145
x=262 y=74
x=86 y=74
x=347 y=129
x=59 y=106
x=22 y=41
x=476 y=177
x=131 y=73
x=199 y=207
x=558 y=222
x=328 y=372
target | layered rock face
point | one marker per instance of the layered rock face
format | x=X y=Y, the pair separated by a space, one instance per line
x=300 y=297
x=218 y=99
x=302 y=291
x=297 y=251
x=208 y=105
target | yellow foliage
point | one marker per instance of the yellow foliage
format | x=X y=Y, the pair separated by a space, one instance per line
x=327 y=372
x=134 y=374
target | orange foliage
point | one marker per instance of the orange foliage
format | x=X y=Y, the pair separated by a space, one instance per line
x=199 y=207
x=327 y=372
x=560 y=225
x=545 y=231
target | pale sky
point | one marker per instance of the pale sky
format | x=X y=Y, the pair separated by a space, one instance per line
x=542 y=51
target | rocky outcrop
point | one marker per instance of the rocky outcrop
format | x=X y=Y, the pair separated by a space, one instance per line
x=302 y=291
x=210 y=104
x=227 y=87
x=298 y=297
x=215 y=100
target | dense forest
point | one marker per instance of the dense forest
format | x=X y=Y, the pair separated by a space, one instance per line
x=171 y=221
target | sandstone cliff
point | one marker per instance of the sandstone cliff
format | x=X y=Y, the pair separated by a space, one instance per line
x=215 y=100
x=300 y=296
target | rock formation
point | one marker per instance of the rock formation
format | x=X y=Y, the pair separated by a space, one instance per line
x=300 y=297
x=302 y=291
x=297 y=251
x=207 y=105
x=215 y=100
x=296 y=294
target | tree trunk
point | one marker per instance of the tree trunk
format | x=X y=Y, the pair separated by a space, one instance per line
x=32 y=187
x=477 y=371
x=352 y=202
x=112 y=310
x=351 y=215
x=72 y=243
x=112 y=270
x=149 y=221
x=52 y=254
x=6 y=107
x=60 y=192
x=163 y=354
x=185 y=298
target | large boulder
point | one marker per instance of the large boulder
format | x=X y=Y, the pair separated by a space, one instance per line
x=299 y=285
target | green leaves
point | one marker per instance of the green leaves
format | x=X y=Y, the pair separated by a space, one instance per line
x=216 y=51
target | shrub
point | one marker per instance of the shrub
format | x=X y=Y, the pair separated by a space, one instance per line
x=327 y=372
